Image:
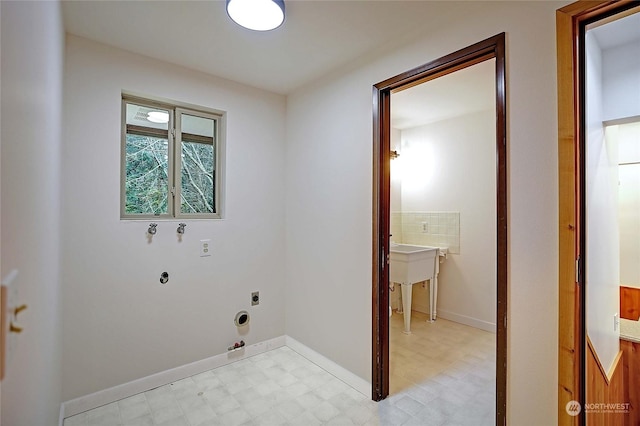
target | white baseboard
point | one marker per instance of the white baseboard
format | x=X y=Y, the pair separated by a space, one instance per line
x=116 y=393
x=356 y=382
x=463 y=319
x=60 y=415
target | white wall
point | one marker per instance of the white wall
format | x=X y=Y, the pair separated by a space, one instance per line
x=0 y=193
x=395 y=202
x=455 y=171
x=32 y=67
x=602 y=240
x=621 y=92
x=396 y=179
x=119 y=322
x=621 y=81
x=329 y=204
x=628 y=139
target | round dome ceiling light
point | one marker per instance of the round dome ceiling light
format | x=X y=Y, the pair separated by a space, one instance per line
x=257 y=15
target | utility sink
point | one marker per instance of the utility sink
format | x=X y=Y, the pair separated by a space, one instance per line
x=410 y=264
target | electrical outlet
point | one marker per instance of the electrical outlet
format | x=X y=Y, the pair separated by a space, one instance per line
x=205 y=248
x=255 y=298
x=425 y=227
x=616 y=322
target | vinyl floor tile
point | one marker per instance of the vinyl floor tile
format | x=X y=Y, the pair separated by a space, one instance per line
x=442 y=374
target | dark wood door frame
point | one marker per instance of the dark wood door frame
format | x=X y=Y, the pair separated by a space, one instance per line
x=493 y=47
x=571 y=21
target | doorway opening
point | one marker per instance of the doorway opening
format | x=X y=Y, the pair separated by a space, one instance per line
x=590 y=358
x=492 y=49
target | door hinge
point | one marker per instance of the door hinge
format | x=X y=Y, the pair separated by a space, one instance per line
x=173 y=191
x=578 y=267
x=173 y=132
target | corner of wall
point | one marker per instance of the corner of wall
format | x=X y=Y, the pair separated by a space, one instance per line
x=32 y=73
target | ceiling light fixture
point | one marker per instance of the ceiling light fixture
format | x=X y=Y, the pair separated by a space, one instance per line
x=257 y=15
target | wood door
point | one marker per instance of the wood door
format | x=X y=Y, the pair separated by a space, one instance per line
x=570 y=23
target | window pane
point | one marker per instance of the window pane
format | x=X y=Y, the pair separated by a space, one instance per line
x=146 y=175
x=146 y=162
x=198 y=165
x=198 y=179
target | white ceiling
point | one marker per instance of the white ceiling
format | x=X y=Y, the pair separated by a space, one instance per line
x=462 y=92
x=619 y=32
x=317 y=37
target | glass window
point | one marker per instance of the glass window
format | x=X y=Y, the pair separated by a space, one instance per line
x=197 y=163
x=170 y=165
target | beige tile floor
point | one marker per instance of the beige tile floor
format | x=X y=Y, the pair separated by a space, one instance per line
x=442 y=374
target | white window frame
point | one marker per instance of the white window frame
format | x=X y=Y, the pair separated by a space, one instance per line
x=174 y=189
